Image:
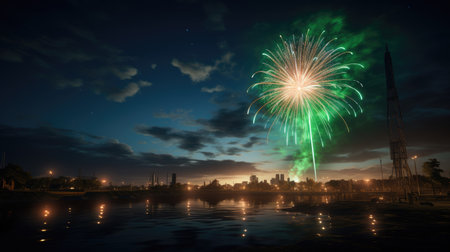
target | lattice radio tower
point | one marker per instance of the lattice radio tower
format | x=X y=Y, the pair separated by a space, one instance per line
x=397 y=142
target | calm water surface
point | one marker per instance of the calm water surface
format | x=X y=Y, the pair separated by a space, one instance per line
x=188 y=224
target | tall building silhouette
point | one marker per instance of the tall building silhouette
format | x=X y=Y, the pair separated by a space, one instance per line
x=153 y=179
x=174 y=179
x=397 y=141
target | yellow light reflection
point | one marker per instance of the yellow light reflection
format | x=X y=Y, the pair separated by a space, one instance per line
x=372 y=224
x=101 y=213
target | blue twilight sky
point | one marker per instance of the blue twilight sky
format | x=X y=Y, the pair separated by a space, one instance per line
x=125 y=88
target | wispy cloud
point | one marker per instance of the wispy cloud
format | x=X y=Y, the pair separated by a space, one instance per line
x=121 y=94
x=62 y=60
x=200 y=72
x=218 y=88
x=196 y=71
x=64 y=83
x=124 y=73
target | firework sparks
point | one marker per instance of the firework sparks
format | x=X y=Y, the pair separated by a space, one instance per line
x=304 y=87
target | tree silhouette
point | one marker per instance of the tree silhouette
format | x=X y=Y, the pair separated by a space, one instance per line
x=432 y=170
x=15 y=173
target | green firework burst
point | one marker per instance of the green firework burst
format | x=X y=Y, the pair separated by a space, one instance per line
x=305 y=86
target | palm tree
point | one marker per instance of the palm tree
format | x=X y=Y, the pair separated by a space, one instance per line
x=431 y=169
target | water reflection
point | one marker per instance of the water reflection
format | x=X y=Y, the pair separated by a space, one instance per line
x=244 y=205
x=101 y=211
x=323 y=223
x=44 y=226
x=69 y=218
x=147 y=207
x=186 y=223
x=372 y=224
x=188 y=208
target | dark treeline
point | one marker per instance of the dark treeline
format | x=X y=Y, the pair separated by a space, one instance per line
x=13 y=177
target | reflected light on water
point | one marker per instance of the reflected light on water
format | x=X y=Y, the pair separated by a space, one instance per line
x=44 y=228
x=188 y=208
x=100 y=214
x=324 y=223
x=372 y=224
x=147 y=207
x=69 y=218
x=244 y=217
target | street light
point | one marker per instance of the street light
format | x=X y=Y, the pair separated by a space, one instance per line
x=50 y=173
x=417 y=176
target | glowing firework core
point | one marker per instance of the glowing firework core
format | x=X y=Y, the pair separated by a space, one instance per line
x=304 y=87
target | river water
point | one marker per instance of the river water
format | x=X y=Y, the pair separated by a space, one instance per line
x=182 y=224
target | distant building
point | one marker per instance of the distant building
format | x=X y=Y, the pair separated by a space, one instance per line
x=244 y=183
x=273 y=181
x=277 y=178
x=265 y=181
x=253 y=179
x=282 y=177
x=153 y=179
x=174 y=179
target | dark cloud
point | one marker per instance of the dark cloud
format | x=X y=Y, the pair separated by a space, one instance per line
x=187 y=140
x=230 y=123
x=163 y=159
x=182 y=116
x=46 y=146
x=112 y=148
x=289 y=158
x=355 y=173
x=70 y=151
x=252 y=141
x=208 y=154
x=232 y=151
x=354 y=156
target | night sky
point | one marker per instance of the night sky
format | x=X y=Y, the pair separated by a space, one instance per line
x=120 y=89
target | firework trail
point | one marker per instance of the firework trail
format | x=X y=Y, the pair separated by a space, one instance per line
x=305 y=85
